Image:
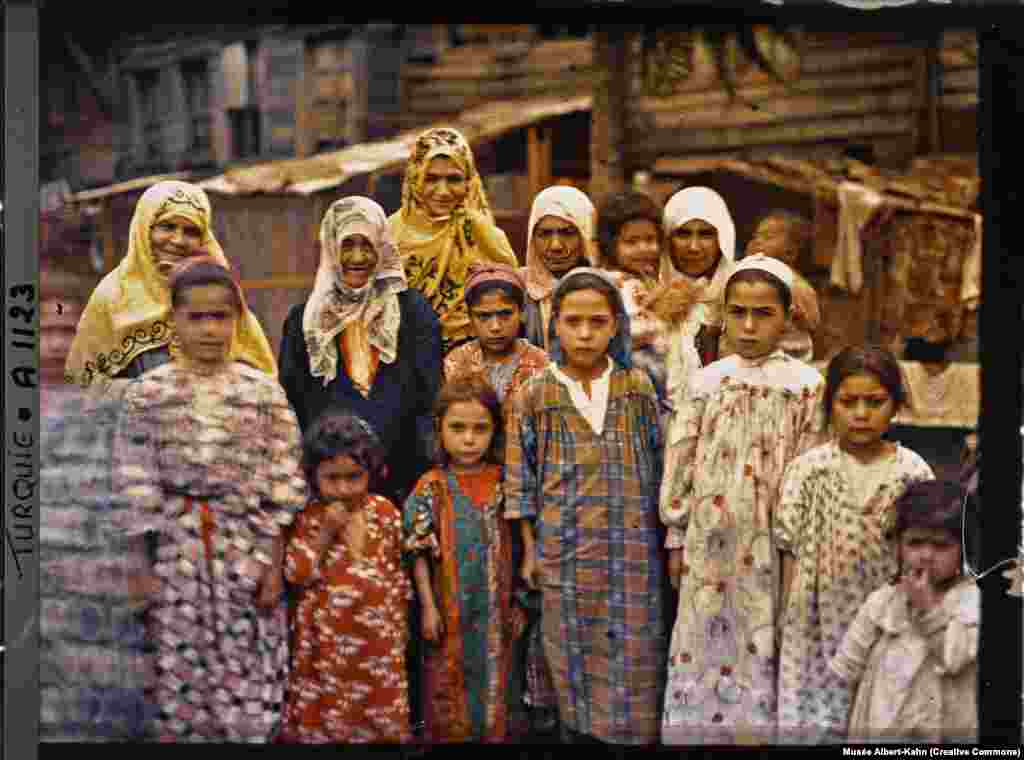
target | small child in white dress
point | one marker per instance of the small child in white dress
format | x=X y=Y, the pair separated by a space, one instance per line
x=912 y=650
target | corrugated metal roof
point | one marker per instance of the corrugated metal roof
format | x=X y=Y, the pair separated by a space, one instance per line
x=305 y=176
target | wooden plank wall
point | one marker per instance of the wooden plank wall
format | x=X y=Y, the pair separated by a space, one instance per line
x=473 y=74
x=860 y=87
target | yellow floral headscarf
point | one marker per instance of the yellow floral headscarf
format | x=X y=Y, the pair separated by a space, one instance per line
x=438 y=252
x=130 y=310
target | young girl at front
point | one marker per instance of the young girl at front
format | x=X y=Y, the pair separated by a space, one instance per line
x=496 y=297
x=459 y=545
x=583 y=466
x=744 y=419
x=912 y=650
x=348 y=681
x=837 y=506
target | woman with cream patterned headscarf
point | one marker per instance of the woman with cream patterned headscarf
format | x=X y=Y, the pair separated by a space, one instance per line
x=126 y=328
x=561 y=237
x=444 y=226
x=365 y=341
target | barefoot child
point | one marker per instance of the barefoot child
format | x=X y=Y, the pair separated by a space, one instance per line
x=744 y=419
x=348 y=682
x=912 y=650
x=583 y=465
x=459 y=543
x=836 y=509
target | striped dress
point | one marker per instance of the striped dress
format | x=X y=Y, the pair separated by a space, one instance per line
x=593 y=501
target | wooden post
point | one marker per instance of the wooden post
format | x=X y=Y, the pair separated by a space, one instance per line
x=609 y=114
x=107 y=233
x=305 y=124
x=538 y=159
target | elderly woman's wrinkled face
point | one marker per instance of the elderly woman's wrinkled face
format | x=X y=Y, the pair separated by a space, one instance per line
x=559 y=244
x=358 y=260
x=174 y=239
x=445 y=186
x=694 y=247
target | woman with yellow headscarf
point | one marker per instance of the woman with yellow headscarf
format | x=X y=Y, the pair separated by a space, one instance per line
x=445 y=225
x=127 y=326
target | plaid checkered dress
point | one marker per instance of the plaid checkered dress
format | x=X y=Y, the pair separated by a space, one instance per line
x=594 y=502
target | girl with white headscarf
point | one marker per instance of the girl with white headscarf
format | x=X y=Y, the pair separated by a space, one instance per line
x=372 y=348
x=696 y=261
x=560 y=237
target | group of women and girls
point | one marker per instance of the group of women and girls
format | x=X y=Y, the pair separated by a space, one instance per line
x=543 y=459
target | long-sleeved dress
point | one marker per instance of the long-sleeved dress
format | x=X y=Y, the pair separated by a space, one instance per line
x=348 y=682
x=530 y=682
x=456 y=521
x=741 y=424
x=211 y=463
x=92 y=668
x=916 y=675
x=833 y=516
x=592 y=498
x=401 y=397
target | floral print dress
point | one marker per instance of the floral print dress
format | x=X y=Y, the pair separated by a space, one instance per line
x=349 y=682
x=834 y=517
x=742 y=423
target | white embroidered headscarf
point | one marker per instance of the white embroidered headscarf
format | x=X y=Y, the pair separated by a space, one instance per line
x=573 y=206
x=333 y=304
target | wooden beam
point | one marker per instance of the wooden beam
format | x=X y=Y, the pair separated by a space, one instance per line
x=824 y=185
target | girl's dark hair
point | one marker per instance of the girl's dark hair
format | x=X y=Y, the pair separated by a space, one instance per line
x=340 y=434
x=931 y=505
x=618 y=210
x=800 y=228
x=757 y=275
x=575 y=281
x=864 y=360
x=463 y=388
x=203 y=270
x=510 y=291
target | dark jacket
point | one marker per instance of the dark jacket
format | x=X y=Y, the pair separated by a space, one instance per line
x=401 y=400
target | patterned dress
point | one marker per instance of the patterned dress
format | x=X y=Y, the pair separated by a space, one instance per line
x=505 y=377
x=92 y=668
x=649 y=333
x=210 y=462
x=834 y=520
x=456 y=520
x=348 y=682
x=530 y=682
x=592 y=498
x=742 y=423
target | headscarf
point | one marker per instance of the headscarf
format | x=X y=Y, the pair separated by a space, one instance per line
x=767 y=264
x=436 y=253
x=486 y=273
x=701 y=203
x=130 y=310
x=333 y=304
x=573 y=206
x=620 y=348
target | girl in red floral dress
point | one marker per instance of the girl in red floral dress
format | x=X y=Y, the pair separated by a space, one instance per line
x=348 y=680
